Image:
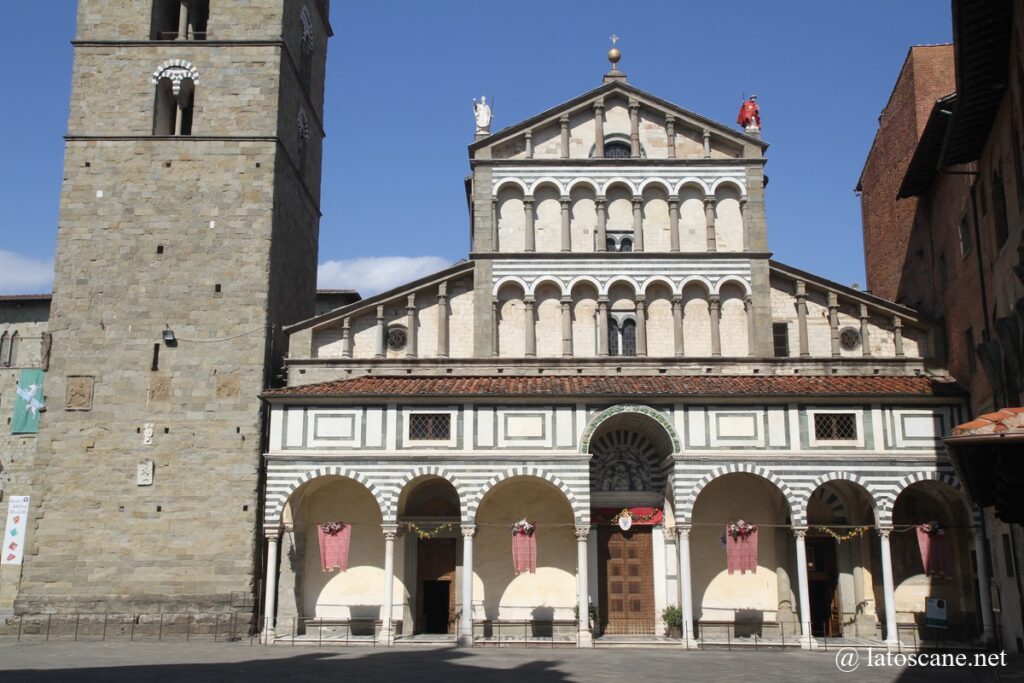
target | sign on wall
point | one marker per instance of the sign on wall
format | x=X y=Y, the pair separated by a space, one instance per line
x=28 y=404
x=936 y=613
x=14 y=533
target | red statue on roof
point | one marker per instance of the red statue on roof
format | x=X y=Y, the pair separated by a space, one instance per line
x=750 y=114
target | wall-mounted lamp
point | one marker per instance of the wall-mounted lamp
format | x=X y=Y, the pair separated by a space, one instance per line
x=169 y=337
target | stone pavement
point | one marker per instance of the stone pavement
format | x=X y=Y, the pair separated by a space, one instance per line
x=201 y=662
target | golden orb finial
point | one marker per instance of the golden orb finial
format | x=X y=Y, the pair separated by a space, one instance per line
x=613 y=54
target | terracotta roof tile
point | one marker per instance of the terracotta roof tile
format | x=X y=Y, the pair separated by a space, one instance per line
x=635 y=385
x=999 y=422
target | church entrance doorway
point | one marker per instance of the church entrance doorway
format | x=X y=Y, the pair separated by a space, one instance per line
x=435 y=582
x=626 y=580
x=822 y=583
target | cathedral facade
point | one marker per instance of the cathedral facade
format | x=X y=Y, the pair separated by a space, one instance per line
x=617 y=405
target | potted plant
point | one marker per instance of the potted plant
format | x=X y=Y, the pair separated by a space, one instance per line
x=592 y=613
x=673 y=618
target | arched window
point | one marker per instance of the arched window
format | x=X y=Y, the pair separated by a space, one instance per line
x=629 y=338
x=5 y=348
x=179 y=19
x=609 y=244
x=617 y=150
x=303 y=142
x=613 y=337
x=174 y=99
x=12 y=352
x=626 y=245
x=306 y=48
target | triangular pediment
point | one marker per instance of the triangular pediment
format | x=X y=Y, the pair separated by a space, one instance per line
x=727 y=141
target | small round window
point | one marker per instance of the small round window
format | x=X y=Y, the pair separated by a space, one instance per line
x=849 y=338
x=397 y=338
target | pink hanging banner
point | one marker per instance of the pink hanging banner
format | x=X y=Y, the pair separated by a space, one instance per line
x=334 y=545
x=524 y=553
x=741 y=551
x=936 y=551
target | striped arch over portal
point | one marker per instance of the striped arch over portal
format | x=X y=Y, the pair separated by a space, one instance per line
x=684 y=507
x=275 y=504
x=391 y=513
x=580 y=504
x=887 y=503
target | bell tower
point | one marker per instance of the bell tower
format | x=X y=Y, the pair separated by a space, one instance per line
x=188 y=233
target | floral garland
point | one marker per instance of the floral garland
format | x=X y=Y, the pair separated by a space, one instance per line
x=853 y=533
x=523 y=528
x=332 y=528
x=933 y=528
x=626 y=512
x=740 y=530
x=428 y=533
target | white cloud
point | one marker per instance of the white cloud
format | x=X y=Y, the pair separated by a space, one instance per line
x=374 y=274
x=23 y=275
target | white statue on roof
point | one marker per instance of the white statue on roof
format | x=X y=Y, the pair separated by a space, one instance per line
x=482 y=113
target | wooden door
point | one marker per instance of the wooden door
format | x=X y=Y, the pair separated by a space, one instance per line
x=822 y=579
x=435 y=563
x=626 y=580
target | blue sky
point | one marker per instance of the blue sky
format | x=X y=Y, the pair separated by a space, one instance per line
x=402 y=76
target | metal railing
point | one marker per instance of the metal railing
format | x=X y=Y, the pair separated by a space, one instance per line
x=526 y=632
x=130 y=626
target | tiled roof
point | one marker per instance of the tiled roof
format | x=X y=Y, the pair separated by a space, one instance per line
x=25 y=297
x=1007 y=420
x=639 y=386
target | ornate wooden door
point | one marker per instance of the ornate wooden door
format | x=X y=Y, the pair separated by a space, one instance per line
x=435 y=562
x=626 y=576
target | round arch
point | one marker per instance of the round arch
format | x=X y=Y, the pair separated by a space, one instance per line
x=654 y=279
x=583 y=279
x=685 y=508
x=275 y=508
x=647 y=411
x=510 y=279
x=547 y=279
x=656 y=182
x=692 y=182
x=177 y=71
x=887 y=504
x=696 y=280
x=618 y=181
x=620 y=279
x=501 y=184
x=546 y=180
x=580 y=509
x=420 y=473
x=733 y=280
x=585 y=182
x=800 y=513
x=733 y=182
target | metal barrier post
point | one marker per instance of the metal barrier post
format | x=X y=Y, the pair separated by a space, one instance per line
x=188 y=627
x=49 y=618
x=105 y=615
x=78 y=620
x=160 y=633
x=728 y=636
x=824 y=633
x=216 y=626
x=21 y=623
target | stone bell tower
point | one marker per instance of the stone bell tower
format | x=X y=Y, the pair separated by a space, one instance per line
x=188 y=233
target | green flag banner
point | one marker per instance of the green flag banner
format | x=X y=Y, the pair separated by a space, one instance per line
x=29 y=402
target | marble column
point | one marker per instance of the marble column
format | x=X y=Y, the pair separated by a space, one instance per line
x=748 y=308
x=602 y=326
x=673 y=223
x=270 y=589
x=602 y=224
x=410 y=326
x=641 y=325
x=530 y=327
x=380 y=350
x=801 y=316
x=715 y=309
x=634 y=129
x=685 y=580
x=495 y=326
x=865 y=340
x=709 y=223
x=567 y=327
x=390 y=531
x=889 y=589
x=677 y=325
x=833 y=323
x=707 y=143
x=582 y=587
x=528 y=233
x=466 y=627
x=670 y=136
x=346 y=338
x=598 y=130
x=442 y=320
x=566 y=204
x=494 y=225
x=529 y=144
x=984 y=594
x=182 y=22
x=564 y=121
x=897 y=334
x=804 y=587
x=638 y=223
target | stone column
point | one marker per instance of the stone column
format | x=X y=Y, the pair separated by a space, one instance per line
x=707 y=143
x=602 y=326
x=566 y=223
x=182 y=22
x=670 y=135
x=564 y=121
x=380 y=349
x=743 y=224
x=466 y=627
x=346 y=339
x=582 y=587
x=599 y=130
x=709 y=223
x=270 y=589
x=602 y=223
x=567 y=327
x=641 y=325
x=529 y=144
x=715 y=309
x=442 y=320
x=984 y=594
x=390 y=531
x=530 y=237
x=634 y=129
x=673 y=223
x=677 y=325
x=801 y=316
x=638 y=223
x=897 y=334
x=891 y=631
x=801 y=574
x=833 y=322
x=495 y=312
x=494 y=224
x=748 y=308
x=410 y=326
x=865 y=341
x=685 y=580
x=530 y=327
